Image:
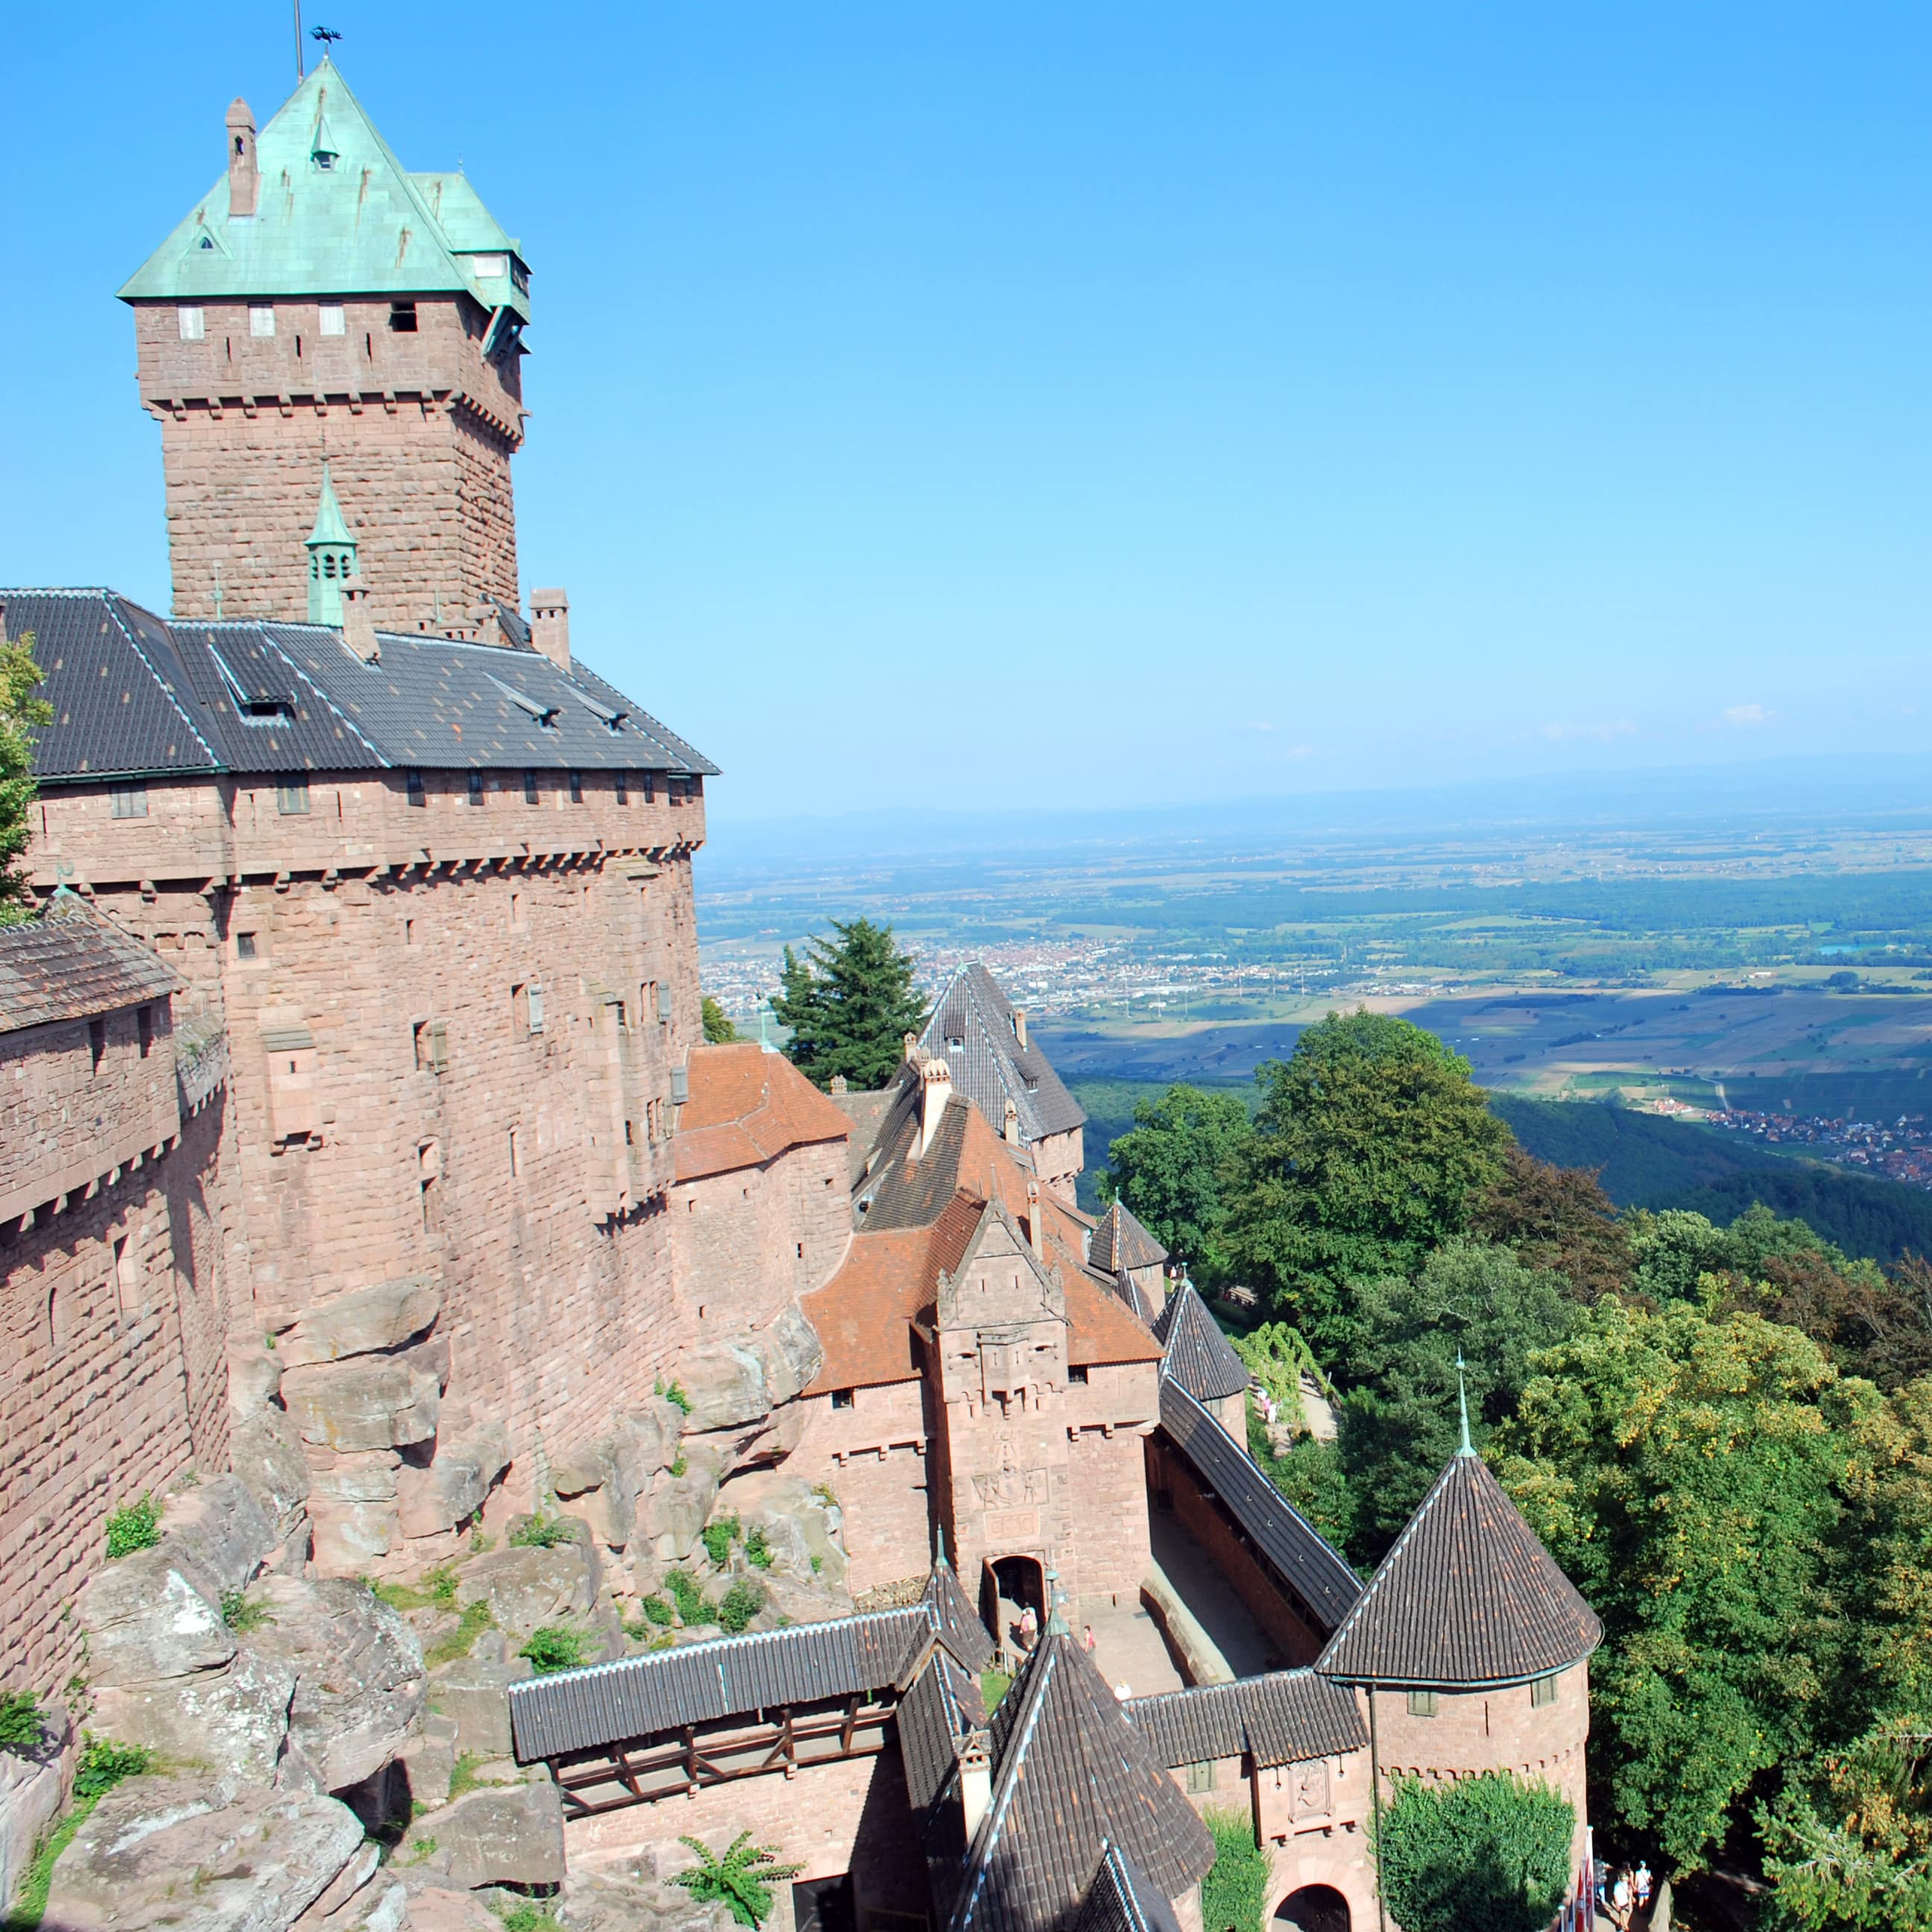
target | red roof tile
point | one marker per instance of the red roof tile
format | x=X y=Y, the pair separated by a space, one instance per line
x=748 y=1106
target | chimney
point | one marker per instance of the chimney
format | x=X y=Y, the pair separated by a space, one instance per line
x=489 y=626
x=245 y=184
x=549 y=625
x=1036 y=1231
x=910 y=1042
x=1019 y=1027
x=935 y=1089
x=838 y=1085
x=1010 y=1130
x=358 y=627
x=976 y=1780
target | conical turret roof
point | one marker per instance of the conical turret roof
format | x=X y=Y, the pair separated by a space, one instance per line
x=1198 y=1355
x=331 y=527
x=1120 y=1241
x=1468 y=1598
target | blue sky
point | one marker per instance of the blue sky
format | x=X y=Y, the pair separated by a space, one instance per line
x=1037 y=406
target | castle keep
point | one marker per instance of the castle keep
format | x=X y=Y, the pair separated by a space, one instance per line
x=367 y=1191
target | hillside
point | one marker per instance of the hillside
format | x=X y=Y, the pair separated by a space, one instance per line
x=1648 y=1162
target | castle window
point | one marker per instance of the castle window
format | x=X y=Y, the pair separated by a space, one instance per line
x=403 y=318
x=127 y=801
x=1076 y=1375
x=516 y=1155
x=577 y=787
x=623 y=789
x=144 y=1027
x=844 y=1398
x=1200 y=1777
x=261 y=319
x=429 y=1173
x=432 y=1044
x=192 y=324
x=334 y=321
x=536 y=1007
x=245 y=947
x=475 y=788
x=650 y=789
x=97 y=1041
x=530 y=793
x=1542 y=1692
x=324 y=160
x=489 y=267
x=291 y=797
x=126 y=1278
x=1422 y=1703
x=416 y=794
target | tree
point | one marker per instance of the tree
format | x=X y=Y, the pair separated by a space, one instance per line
x=1170 y=1169
x=1555 y=1217
x=20 y=712
x=1485 y=1854
x=1371 y=1139
x=1278 y=1357
x=849 y=1005
x=718 y=1031
x=1399 y=1423
x=1688 y=1474
x=741 y=1880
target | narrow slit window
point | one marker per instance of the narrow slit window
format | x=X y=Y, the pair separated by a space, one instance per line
x=476 y=788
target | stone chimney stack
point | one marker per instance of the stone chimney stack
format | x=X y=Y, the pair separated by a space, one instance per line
x=358 y=627
x=244 y=182
x=935 y=1089
x=909 y=1044
x=1036 y=1223
x=976 y=1781
x=1009 y=1130
x=1019 y=1027
x=549 y=625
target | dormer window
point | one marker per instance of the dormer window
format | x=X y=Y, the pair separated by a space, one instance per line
x=325 y=162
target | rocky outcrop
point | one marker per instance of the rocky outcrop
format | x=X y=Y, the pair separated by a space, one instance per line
x=603 y=1482
x=359 y=1679
x=372 y=1320
x=610 y=1901
x=234 y=1720
x=380 y=1402
x=473 y=1693
x=212 y=1854
x=797 y=1522
x=33 y=1788
x=744 y=1380
x=453 y=1487
x=526 y=1588
x=265 y=1454
x=153 y=1616
x=221 y=1528
x=254 y=1376
x=678 y=1508
x=354 y=1502
x=510 y=1836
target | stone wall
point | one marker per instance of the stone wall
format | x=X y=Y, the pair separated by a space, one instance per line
x=418 y=427
x=874 y=1458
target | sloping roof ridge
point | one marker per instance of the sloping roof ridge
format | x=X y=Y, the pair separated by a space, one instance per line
x=113 y=600
x=1358 y=1610
x=1006 y=1779
x=270 y=642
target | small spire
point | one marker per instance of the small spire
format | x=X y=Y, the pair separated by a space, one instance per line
x=1056 y=1623
x=939 y=1561
x=331 y=556
x=1463 y=1448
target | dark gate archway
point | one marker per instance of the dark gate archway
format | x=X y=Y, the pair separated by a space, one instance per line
x=1315 y=1908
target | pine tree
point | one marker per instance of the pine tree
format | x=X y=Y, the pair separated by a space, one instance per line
x=849 y=1004
x=718 y=1031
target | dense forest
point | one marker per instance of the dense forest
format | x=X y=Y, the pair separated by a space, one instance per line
x=1723 y=1432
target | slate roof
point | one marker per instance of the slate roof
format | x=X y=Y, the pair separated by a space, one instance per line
x=1120 y=1242
x=1282 y=1718
x=1467 y=1598
x=135 y=696
x=972 y=1026
x=71 y=960
x=366 y=225
x=1070 y=1777
x=1197 y=1354
x=1120 y=1900
x=940 y=1707
x=1313 y=1570
x=746 y=1107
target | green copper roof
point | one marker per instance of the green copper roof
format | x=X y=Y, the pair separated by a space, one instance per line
x=363 y=226
x=330 y=527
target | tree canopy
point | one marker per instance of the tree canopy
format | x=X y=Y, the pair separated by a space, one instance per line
x=1170 y=1169
x=1485 y=1854
x=718 y=1031
x=849 y=1003
x=20 y=711
x=1371 y=1139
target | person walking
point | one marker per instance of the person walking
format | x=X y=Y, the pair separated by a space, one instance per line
x=1642 y=1884
x=1621 y=1896
x=1029 y=1627
x=1086 y=1639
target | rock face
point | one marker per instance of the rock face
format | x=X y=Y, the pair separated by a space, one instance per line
x=32 y=1790
x=454 y=1485
x=371 y=1321
x=354 y=1502
x=254 y=1374
x=797 y=1522
x=200 y=1855
x=743 y=1380
x=266 y=1453
x=526 y=1588
x=670 y=1517
x=221 y=1526
x=381 y=1402
x=359 y=1680
x=153 y=1616
x=602 y=1482
x=509 y=1837
x=235 y=1719
x=474 y=1693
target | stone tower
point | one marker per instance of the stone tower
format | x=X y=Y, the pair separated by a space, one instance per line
x=320 y=306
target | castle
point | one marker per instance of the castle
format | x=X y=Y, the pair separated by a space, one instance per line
x=361 y=1138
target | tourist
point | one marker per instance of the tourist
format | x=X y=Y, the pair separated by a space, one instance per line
x=1643 y=1884
x=1086 y=1639
x=1620 y=1901
x=1029 y=1627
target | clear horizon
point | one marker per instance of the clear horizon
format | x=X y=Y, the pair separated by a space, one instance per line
x=1257 y=403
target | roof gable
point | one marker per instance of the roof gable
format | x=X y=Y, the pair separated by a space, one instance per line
x=972 y=1029
x=363 y=226
x=1120 y=1242
x=1468 y=1596
x=1197 y=1354
x=999 y=1279
x=747 y=1106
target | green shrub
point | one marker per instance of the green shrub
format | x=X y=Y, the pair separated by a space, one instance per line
x=240 y=1614
x=463 y=1774
x=718 y=1537
x=741 y=1878
x=655 y=1611
x=739 y=1605
x=757 y=1551
x=462 y=1640
x=1489 y=1851
x=135 y=1525
x=541 y=1532
x=686 y=1595
x=680 y=1466
x=674 y=1393
x=1235 y=1892
x=436 y=1591
x=554 y=1647
x=23 y=1726
x=526 y=1915
x=103 y=1764
x=826 y=1494
x=817 y=1563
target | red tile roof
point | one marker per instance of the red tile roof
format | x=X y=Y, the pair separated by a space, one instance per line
x=747 y=1107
